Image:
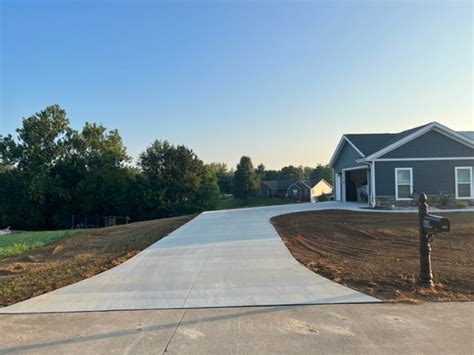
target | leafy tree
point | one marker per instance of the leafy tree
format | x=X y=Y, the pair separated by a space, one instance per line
x=292 y=172
x=323 y=172
x=52 y=171
x=208 y=193
x=307 y=171
x=179 y=181
x=245 y=179
x=223 y=176
x=96 y=171
x=271 y=175
x=260 y=171
x=42 y=141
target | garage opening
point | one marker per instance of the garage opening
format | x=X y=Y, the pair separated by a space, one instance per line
x=356 y=185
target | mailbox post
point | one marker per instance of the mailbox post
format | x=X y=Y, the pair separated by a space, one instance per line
x=426 y=275
x=429 y=225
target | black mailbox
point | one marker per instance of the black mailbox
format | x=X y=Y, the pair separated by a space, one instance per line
x=436 y=224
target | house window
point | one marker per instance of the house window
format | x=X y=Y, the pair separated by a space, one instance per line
x=464 y=182
x=295 y=192
x=403 y=183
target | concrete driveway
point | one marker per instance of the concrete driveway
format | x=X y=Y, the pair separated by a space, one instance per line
x=219 y=259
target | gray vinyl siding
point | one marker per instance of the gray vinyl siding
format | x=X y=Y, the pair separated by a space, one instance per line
x=346 y=158
x=430 y=177
x=431 y=145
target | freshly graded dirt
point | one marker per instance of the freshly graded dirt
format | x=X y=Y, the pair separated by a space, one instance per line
x=378 y=253
x=78 y=257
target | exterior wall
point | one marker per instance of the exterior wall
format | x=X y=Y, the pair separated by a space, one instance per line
x=302 y=195
x=430 y=177
x=266 y=191
x=321 y=188
x=346 y=158
x=431 y=145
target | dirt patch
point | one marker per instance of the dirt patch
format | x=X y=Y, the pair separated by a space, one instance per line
x=377 y=253
x=77 y=257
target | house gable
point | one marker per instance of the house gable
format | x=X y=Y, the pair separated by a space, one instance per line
x=298 y=185
x=322 y=187
x=346 y=157
x=431 y=144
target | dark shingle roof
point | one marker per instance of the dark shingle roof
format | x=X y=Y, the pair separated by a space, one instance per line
x=285 y=184
x=373 y=142
x=370 y=143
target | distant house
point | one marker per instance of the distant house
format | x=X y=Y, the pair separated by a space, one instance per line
x=387 y=169
x=296 y=189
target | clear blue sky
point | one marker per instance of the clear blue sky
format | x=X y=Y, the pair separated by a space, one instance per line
x=278 y=81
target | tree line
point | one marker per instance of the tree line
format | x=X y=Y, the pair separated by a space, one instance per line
x=245 y=180
x=51 y=171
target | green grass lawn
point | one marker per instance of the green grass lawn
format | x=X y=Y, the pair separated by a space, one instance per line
x=17 y=242
x=229 y=202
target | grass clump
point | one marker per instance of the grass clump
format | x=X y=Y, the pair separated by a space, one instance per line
x=18 y=242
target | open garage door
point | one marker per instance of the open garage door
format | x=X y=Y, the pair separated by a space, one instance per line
x=355 y=185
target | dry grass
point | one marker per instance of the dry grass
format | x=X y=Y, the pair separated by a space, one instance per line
x=72 y=259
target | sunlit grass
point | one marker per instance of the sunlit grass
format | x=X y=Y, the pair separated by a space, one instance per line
x=18 y=242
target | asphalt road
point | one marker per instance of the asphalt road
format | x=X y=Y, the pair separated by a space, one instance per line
x=430 y=328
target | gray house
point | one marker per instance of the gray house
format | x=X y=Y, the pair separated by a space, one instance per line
x=387 y=169
x=295 y=189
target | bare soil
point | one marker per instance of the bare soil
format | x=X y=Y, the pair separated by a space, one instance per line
x=378 y=253
x=78 y=257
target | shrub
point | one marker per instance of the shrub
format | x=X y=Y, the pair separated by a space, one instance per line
x=462 y=204
x=323 y=198
x=444 y=199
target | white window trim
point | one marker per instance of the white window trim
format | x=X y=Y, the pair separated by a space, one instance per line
x=456 y=168
x=396 y=184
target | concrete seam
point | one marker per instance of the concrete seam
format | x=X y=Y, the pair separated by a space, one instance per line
x=174 y=332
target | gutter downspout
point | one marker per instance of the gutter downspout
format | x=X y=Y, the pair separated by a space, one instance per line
x=372 y=183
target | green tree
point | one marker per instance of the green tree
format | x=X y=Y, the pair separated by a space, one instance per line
x=260 y=171
x=245 y=179
x=96 y=171
x=209 y=192
x=271 y=175
x=223 y=176
x=307 y=171
x=42 y=141
x=292 y=172
x=323 y=172
x=51 y=171
x=179 y=181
